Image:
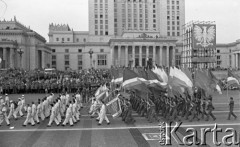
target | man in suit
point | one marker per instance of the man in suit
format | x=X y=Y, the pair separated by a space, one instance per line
x=210 y=108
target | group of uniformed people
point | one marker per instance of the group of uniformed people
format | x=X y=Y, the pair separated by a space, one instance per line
x=62 y=109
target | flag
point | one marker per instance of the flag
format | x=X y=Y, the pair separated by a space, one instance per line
x=232 y=78
x=214 y=82
x=154 y=81
x=130 y=79
x=114 y=107
x=102 y=95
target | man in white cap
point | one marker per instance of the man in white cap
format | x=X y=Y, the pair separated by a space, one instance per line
x=12 y=111
x=29 y=117
x=23 y=104
x=68 y=117
x=103 y=115
x=19 y=108
x=7 y=100
x=34 y=113
x=3 y=115
x=53 y=116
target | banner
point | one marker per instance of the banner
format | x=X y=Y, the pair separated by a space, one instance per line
x=204 y=36
x=114 y=107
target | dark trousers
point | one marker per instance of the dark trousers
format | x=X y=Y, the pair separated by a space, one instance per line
x=231 y=113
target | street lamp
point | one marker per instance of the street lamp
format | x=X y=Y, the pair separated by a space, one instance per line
x=90 y=53
x=20 y=52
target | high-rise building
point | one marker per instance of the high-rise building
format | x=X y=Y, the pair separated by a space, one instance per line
x=114 y=17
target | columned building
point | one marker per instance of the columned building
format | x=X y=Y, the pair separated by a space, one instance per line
x=228 y=55
x=121 y=33
x=136 y=52
x=21 y=47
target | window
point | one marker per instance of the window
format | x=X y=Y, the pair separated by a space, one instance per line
x=54 y=63
x=154 y=20
x=96 y=21
x=178 y=23
x=168 y=12
x=54 y=57
x=66 y=50
x=218 y=51
x=57 y=39
x=168 y=27
x=79 y=57
x=168 y=17
x=80 y=62
x=101 y=50
x=178 y=33
x=66 y=62
x=106 y=33
x=79 y=50
x=66 y=57
x=218 y=57
x=102 y=60
x=154 y=11
x=178 y=2
x=168 y=33
x=96 y=32
x=173 y=28
x=62 y=39
x=177 y=17
x=77 y=39
x=68 y=39
x=79 y=68
x=168 y=22
x=173 y=33
x=53 y=50
x=173 y=2
x=177 y=7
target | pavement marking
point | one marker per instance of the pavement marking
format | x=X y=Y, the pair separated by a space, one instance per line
x=117 y=128
x=225 y=111
x=151 y=136
x=225 y=103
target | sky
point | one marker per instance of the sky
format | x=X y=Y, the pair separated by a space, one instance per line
x=38 y=14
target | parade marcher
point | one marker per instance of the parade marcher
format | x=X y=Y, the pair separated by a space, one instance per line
x=23 y=106
x=203 y=108
x=35 y=113
x=71 y=107
x=68 y=117
x=40 y=110
x=103 y=115
x=210 y=108
x=12 y=111
x=231 y=106
x=29 y=118
x=19 y=108
x=7 y=101
x=3 y=115
x=75 y=110
x=53 y=116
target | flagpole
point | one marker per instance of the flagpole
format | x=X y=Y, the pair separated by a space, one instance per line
x=227 y=89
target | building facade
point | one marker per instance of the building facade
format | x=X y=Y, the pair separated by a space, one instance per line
x=228 y=55
x=121 y=33
x=199 y=45
x=21 y=47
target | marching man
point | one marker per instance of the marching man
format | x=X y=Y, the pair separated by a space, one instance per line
x=68 y=117
x=3 y=115
x=53 y=116
x=29 y=117
x=12 y=111
x=19 y=108
x=7 y=100
x=35 y=113
x=102 y=114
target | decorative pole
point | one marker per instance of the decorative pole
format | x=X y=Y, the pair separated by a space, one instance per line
x=20 y=52
x=90 y=53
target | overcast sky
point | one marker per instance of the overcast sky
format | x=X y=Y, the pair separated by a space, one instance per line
x=38 y=14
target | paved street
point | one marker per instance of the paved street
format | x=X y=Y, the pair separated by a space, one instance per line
x=87 y=133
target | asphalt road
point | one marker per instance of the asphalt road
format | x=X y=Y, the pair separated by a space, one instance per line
x=87 y=133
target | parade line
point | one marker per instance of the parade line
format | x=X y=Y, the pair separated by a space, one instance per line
x=115 y=128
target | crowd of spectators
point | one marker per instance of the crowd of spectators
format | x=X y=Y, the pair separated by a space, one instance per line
x=38 y=81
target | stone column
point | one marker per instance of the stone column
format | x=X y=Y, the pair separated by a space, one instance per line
x=160 y=55
x=140 y=56
x=167 y=50
x=43 y=59
x=147 y=54
x=133 y=55
x=112 y=55
x=236 y=60
x=126 y=56
x=5 y=57
x=119 y=55
x=11 y=63
x=154 y=55
x=173 y=56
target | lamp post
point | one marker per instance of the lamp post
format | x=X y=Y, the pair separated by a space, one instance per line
x=20 y=52
x=90 y=53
